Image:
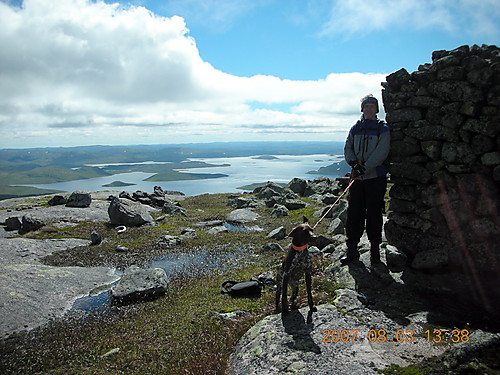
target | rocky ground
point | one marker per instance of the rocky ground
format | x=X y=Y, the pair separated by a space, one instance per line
x=394 y=319
x=32 y=293
x=365 y=343
x=376 y=323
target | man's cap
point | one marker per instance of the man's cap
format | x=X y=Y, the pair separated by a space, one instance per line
x=369 y=99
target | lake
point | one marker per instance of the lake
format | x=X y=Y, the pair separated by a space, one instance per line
x=241 y=171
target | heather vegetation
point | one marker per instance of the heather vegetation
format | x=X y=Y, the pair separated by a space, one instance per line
x=177 y=334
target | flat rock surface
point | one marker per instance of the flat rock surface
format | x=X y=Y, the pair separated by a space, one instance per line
x=289 y=345
x=378 y=319
x=32 y=293
x=242 y=215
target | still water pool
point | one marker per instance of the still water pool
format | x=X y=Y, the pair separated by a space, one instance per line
x=175 y=265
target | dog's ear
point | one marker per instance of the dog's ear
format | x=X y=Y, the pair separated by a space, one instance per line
x=305 y=220
x=293 y=232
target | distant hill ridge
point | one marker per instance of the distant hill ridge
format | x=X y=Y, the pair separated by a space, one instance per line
x=77 y=156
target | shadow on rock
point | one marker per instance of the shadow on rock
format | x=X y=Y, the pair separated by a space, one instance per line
x=404 y=296
x=380 y=291
x=295 y=325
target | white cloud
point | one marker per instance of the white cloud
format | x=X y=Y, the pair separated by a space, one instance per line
x=357 y=17
x=79 y=72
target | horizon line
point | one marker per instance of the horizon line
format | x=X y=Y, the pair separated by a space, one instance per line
x=162 y=144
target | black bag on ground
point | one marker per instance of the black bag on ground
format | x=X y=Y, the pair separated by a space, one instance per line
x=245 y=289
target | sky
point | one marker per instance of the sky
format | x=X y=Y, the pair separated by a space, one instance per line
x=92 y=72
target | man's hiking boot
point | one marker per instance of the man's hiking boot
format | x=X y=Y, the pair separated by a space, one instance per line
x=351 y=255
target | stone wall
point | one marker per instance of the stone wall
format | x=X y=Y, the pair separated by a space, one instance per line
x=445 y=165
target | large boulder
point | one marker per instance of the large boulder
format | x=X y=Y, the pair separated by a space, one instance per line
x=157 y=201
x=242 y=215
x=336 y=227
x=171 y=208
x=57 y=200
x=158 y=191
x=338 y=211
x=128 y=213
x=278 y=233
x=430 y=259
x=79 y=199
x=244 y=202
x=218 y=229
x=30 y=224
x=279 y=211
x=298 y=185
x=396 y=260
x=322 y=185
x=293 y=204
x=13 y=223
x=139 y=284
x=269 y=190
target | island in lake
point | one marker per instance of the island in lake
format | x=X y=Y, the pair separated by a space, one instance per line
x=118 y=184
x=266 y=157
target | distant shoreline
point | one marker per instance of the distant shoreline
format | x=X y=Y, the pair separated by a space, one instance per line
x=28 y=172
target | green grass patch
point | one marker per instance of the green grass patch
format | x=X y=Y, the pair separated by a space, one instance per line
x=180 y=333
x=398 y=370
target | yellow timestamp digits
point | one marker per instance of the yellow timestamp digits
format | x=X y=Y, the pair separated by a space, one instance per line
x=438 y=335
x=374 y=335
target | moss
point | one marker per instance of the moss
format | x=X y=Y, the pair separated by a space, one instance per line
x=350 y=313
x=398 y=370
x=387 y=199
x=327 y=286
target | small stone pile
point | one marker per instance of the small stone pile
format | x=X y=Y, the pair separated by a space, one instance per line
x=445 y=165
x=157 y=198
x=285 y=198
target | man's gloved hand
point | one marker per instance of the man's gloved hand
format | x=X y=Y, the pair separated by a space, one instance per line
x=358 y=170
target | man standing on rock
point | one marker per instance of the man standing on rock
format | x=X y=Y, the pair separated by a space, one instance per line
x=366 y=149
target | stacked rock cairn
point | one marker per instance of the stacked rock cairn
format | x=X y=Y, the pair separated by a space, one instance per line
x=444 y=120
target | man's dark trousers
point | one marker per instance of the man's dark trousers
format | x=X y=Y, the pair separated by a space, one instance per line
x=366 y=202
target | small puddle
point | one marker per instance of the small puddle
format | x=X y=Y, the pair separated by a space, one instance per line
x=96 y=303
x=174 y=264
x=98 y=300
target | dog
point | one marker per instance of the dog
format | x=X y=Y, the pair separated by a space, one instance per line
x=296 y=264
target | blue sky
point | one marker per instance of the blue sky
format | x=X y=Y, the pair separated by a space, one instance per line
x=80 y=72
x=302 y=40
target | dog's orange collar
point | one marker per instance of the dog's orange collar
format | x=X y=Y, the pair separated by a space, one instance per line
x=299 y=248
